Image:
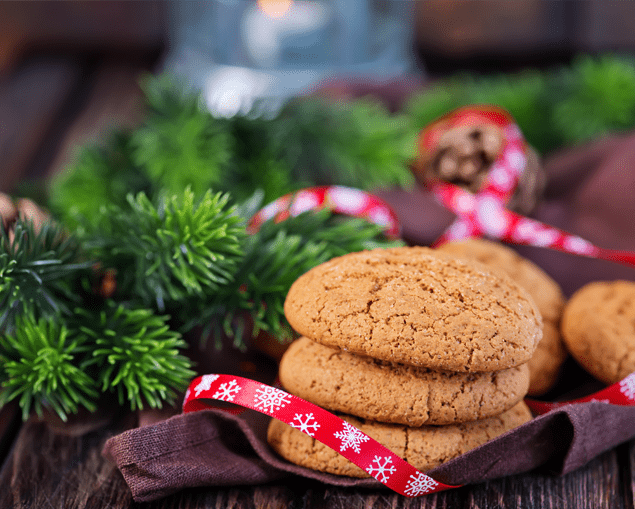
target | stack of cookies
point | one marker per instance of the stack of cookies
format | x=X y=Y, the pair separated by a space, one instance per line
x=422 y=351
x=546 y=363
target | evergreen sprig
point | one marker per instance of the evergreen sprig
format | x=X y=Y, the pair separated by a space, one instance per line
x=40 y=367
x=135 y=354
x=101 y=176
x=169 y=251
x=180 y=143
x=39 y=271
x=601 y=98
x=354 y=143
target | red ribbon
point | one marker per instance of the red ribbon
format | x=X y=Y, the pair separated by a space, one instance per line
x=339 y=199
x=620 y=393
x=350 y=442
x=485 y=212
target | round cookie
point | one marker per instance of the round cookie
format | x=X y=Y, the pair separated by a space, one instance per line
x=414 y=305
x=396 y=393
x=550 y=354
x=424 y=447
x=598 y=329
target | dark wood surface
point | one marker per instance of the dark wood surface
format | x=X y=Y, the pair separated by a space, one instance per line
x=49 y=105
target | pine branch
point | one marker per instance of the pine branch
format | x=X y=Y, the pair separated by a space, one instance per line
x=101 y=176
x=40 y=367
x=356 y=143
x=39 y=272
x=601 y=98
x=135 y=354
x=170 y=251
x=180 y=144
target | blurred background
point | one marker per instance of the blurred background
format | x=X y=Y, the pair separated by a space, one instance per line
x=69 y=70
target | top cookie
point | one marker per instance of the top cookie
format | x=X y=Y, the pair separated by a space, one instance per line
x=416 y=306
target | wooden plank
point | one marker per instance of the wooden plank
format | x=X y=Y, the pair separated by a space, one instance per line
x=9 y=425
x=630 y=448
x=30 y=101
x=52 y=467
x=598 y=484
x=114 y=101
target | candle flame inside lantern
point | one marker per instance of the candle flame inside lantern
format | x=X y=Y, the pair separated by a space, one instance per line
x=275 y=8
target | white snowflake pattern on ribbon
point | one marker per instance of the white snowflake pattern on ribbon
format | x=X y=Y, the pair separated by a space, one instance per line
x=351 y=437
x=380 y=216
x=227 y=391
x=348 y=200
x=459 y=230
x=270 y=399
x=205 y=384
x=303 y=202
x=381 y=468
x=578 y=245
x=420 y=484
x=501 y=178
x=627 y=386
x=490 y=216
x=529 y=230
x=306 y=424
x=516 y=160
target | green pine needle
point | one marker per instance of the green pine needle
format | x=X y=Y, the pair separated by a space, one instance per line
x=357 y=143
x=39 y=366
x=601 y=98
x=181 y=144
x=38 y=272
x=101 y=176
x=135 y=355
x=176 y=249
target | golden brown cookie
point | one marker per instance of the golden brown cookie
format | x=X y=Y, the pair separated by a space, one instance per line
x=396 y=393
x=414 y=305
x=424 y=447
x=598 y=328
x=550 y=354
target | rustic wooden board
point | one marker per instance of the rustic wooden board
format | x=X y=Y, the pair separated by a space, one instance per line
x=114 y=100
x=31 y=101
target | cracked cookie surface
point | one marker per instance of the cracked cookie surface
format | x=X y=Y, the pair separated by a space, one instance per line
x=598 y=328
x=416 y=306
x=547 y=361
x=396 y=393
x=423 y=447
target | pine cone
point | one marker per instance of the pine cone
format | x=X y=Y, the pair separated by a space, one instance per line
x=464 y=156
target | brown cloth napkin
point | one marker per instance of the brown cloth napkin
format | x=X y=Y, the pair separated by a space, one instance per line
x=213 y=448
x=590 y=193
